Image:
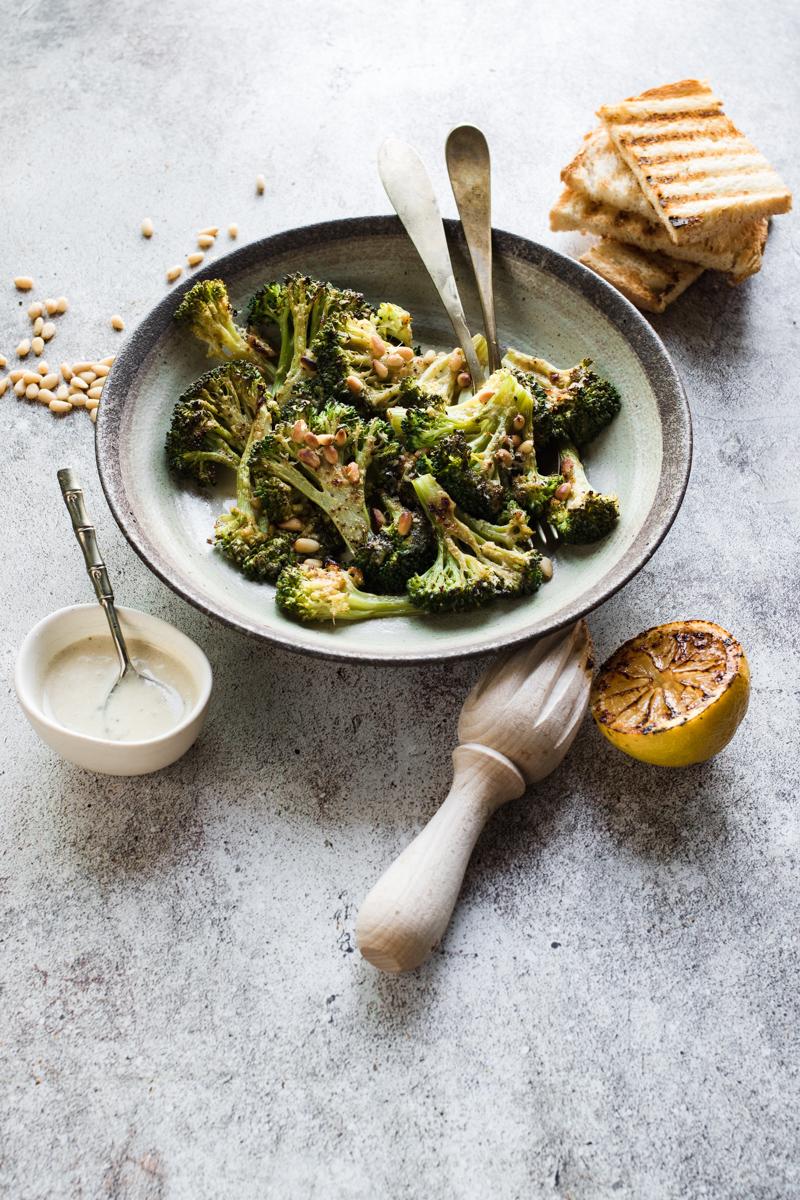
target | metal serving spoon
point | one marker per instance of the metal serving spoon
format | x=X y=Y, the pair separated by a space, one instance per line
x=409 y=188
x=127 y=689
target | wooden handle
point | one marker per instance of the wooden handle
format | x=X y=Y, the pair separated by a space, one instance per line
x=408 y=910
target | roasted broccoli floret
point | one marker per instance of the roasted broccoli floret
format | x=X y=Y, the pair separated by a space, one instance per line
x=473 y=482
x=403 y=546
x=258 y=553
x=332 y=594
x=353 y=366
x=325 y=456
x=393 y=324
x=577 y=403
x=206 y=310
x=472 y=567
x=585 y=515
x=212 y=419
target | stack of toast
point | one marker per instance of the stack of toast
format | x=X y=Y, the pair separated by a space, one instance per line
x=672 y=188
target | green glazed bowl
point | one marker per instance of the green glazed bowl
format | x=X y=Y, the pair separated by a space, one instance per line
x=545 y=303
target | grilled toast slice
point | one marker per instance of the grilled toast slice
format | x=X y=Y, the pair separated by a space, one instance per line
x=597 y=171
x=737 y=250
x=650 y=281
x=693 y=165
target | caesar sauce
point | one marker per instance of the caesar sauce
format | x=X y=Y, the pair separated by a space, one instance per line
x=78 y=683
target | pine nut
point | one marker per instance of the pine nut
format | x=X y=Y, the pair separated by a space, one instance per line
x=66 y=371
x=340 y=437
x=464 y=379
x=308 y=457
x=3 y=385
x=76 y=399
x=108 y=362
x=42 y=367
x=457 y=359
x=81 y=366
x=354 y=384
x=546 y=567
x=205 y=241
x=32 y=377
x=16 y=376
x=32 y=391
x=352 y=472
x=311 y=440
x=60 y=406
x=428 y=357
x=519 y=421
x=306 y=545
x=330 y=454
x=563 y=491
x=526 y=448
x=45 y=396
x=52 y=307
x=195 y=259
x=94 y=393
x=504 y=458
x=294 y=524
x=233 y=231
x=88 y=377
x=324 y=439
x=378 y=345
x=404 y=523
x=48 y=330
x=378 y=518
x=312 y=562
x=394 y=361
x=35 y=310
x=24 y=348
x=37 y=345
x=62 y=304
x=209 y=231
x=173 y=273
x=91 y=404
x=117 y=323
x=93 y=416
x=23 y=283
x=299 y=431
x=484 y=396
x=405 y=352
x=380 y=369
x=147 y=228
x=261 y=184
x=19 y=387
x=78 y=383
x=62 y=391
x=100 y=369
x=516 y=440
x=2 y=360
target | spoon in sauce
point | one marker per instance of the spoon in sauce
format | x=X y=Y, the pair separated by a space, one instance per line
x=132 y=687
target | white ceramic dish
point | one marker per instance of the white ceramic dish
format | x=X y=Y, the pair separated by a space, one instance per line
x=70 y=625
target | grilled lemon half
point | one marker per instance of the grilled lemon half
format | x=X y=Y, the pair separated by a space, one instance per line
x=674 y=695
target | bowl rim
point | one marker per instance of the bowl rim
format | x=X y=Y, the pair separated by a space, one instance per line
x=33 y=709
x=631 y=324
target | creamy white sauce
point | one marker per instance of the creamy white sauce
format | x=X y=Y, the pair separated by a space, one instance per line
x=78 y=691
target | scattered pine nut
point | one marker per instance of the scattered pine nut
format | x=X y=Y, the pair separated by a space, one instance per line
x=312 y=562
x=100 y=368
x=404 y=523
x=546 y=567
x=88 y=377
x=205 y=241
x=45 y=396
x=147 y=228
x=19 y=387
x=15 y=376
x=294 y=524
x=93 y=415
x=42 y=367
x=90 y=402
x=35 y=310
x=117 y=323
x=38 y=326
x=79 y=383
x=62 y=391
x=32 y=377
x=94 y=393
x=261 y=185
x=354 y=384
x=3 y=385
x=62 y=304
x=76 y=399
x=66 y=371
x=380 y=368
x=330 y=454
x=52 y=307
x=108 y=362
x=209 y=231
x=81 y=366
x=174 y=273
x=405 y=352
x=195 y=259
x=32 y=391
x=305 y=545
x=48 y=331
x=23 y=283
x=233 y=231
x=24 y=348
x=2 y=360
x=50 y=380
x=394 y=361
x=37 y=345
x=352 y=472
x=59 y=406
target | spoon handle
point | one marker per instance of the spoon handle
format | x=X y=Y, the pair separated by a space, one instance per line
x=409 y=188
x=72 y=492
x=469 y=168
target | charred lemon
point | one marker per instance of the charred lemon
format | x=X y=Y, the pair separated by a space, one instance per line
x=674 y=695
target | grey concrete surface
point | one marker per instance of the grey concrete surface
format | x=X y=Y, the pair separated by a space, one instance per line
x=614 y=1012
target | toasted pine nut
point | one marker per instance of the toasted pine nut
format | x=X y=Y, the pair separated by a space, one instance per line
x=81 y=366
x=311 y=440
x=24 y=348
x=16 y=376
x=78 y=383
x=2 y=360
x=324 y=439
x=309 y=457
x=76 y=399
x=35 y=310
x=405 y=352
x=563 y=491
x=330 y=454
x=94 y=393
x=59 y=406
x=3 y=385
x=299 y=431
x=464 y=379
x=32 y=377
x=261 y=184
x=42 y=367
x=45 y=396
x=205 y=241
x=19 y=387
x=37 y=345
x=428 y=357
x=485 y=395
x=394 y=361
x=504 y=458
x=173 y=273
x=294 y=524
x=380 y=368
x=62 y=391
x=62 y=304
x=306 y=545
x=91 y=403
x=526 y=448
x=516 y=440
x=66 y=371
x=195 y=259
x=378 y=518
x=404 y=523
x=93 y=416
x=88 y=377
x=108 y=362
x=352 y=472
x=117 y=322
x=23 y=283
x=100 y=369
x=546 y=567
x=210 y=230
x=147 y=228
x=340 y=437
x=457 y=359
x=48 y=330
x=378 y=345
x=51 y=307
x=32 y=391
x=233 y=231
x=519 y=421
x=354 y=384
x=312 y=562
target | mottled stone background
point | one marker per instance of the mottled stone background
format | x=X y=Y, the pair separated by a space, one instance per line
x=183 y=1015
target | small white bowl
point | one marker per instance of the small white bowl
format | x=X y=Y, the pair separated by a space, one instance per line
x=70 y=625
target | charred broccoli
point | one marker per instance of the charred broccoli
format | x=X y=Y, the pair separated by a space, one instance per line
x=585 y=515
x=206 y=310
x=332 y=594
x=211 y=422
x=575 y=404
x=403 y=546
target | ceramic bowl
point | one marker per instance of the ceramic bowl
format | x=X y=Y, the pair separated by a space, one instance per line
x=545 y=302
x=70 y=625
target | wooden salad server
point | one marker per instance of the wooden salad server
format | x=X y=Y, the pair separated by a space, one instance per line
x=517 y=723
